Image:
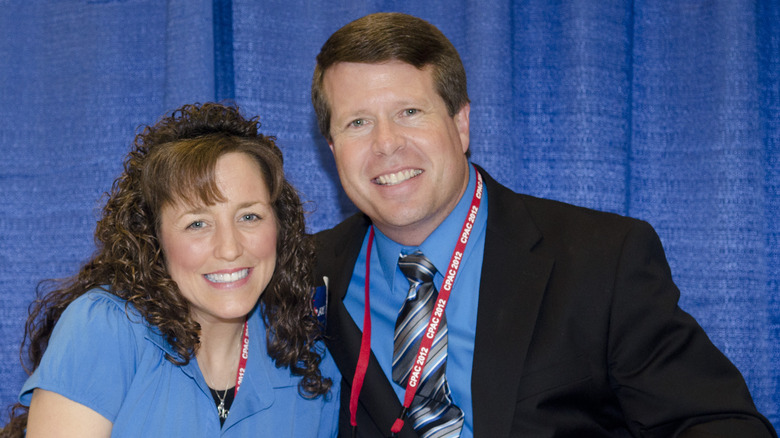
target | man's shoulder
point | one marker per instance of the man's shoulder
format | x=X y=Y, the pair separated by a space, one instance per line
x=544 y=209
x=554 y=219
x=560 y=210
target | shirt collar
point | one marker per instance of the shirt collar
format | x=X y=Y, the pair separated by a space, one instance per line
x=437 y=247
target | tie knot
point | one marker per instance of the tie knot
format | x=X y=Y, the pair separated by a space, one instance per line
x=417 y=268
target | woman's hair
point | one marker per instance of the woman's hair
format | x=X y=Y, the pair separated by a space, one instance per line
x=391 y=36
x=175 y=160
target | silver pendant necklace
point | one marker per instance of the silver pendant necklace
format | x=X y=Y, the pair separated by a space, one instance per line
x=223 y=413
x=222 y=409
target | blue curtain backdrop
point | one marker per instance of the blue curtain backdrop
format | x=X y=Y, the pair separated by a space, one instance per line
x=665 y=110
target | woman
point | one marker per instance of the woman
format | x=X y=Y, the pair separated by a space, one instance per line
x=194 y=317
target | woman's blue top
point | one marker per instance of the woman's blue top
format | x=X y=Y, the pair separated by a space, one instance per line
x=111 y=361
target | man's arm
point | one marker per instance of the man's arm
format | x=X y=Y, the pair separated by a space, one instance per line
x=669 y=377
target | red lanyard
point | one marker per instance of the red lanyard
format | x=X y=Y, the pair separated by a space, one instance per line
x=433 y=323
x=244 y=356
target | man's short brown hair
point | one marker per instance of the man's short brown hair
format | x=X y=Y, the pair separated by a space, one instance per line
x=384 y=37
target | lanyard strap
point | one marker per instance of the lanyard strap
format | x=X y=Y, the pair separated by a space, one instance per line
x=244 y=356
x=433 y=322
x=365 y=342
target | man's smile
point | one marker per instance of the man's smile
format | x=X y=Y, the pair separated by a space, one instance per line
x=397 y=178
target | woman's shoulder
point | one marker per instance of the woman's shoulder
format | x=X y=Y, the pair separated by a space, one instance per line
x=101 y=301
x=96 y=339
x=102 y=313
x=98 y=297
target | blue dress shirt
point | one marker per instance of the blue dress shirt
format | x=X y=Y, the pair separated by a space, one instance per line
x=389 y=288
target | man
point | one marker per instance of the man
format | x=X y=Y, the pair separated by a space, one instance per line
x=540 y=318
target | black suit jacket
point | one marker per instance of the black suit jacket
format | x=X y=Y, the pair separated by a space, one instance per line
x=578 y=333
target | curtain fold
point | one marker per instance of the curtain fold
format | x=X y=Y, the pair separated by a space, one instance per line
x=662 y=110
x=699 y=172
x=190 y=56
x=572 y=63
x=768 y=42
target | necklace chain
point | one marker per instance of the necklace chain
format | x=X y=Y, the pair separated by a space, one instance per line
x=222 y=411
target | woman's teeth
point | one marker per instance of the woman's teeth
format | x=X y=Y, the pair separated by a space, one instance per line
x=227 y=278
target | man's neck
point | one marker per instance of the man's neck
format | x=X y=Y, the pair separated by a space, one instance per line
x=414 y=234
x=407 y=235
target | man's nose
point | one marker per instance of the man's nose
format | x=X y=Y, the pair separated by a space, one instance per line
x=387 y=138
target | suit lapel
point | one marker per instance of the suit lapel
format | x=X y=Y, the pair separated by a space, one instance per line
x=377 y=397
x=511 y=288
x=337 y=251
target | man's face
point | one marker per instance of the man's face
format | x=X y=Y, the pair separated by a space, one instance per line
x=400 y=156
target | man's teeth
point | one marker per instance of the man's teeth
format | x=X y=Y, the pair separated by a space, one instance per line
x=398 y=177
x=227 y=278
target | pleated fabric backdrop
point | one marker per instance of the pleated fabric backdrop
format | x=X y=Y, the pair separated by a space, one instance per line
x=664 y=110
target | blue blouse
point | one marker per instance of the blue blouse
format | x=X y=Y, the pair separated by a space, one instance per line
x=111 y=361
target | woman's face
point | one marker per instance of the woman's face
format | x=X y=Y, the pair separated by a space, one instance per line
x=222 y=256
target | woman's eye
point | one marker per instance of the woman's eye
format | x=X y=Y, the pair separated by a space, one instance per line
x=411 y=111
x=250 y=217
x=196 y=225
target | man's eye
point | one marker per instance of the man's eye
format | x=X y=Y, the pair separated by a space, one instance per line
x=357 y=123
x=411 y=111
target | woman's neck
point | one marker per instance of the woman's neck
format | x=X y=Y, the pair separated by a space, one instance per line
x=218 y=353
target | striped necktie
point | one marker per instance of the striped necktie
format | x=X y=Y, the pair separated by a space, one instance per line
x=432 y=412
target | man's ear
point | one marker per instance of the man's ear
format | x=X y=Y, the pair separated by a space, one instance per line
x=462 y=123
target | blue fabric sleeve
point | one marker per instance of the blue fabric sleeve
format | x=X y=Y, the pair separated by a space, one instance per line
x=329 y=422
x=91 y=355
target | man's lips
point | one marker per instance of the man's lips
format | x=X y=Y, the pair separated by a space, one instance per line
x=397 y=177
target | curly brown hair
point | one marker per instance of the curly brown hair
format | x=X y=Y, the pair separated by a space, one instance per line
x=174 y=160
